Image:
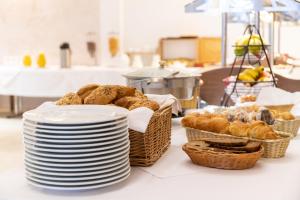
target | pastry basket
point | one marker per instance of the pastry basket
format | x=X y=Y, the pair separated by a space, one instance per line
x=272 y=148
x=288 y=126
x=146 y=148
x=222 y=160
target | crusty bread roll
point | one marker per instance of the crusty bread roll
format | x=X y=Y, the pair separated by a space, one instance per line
x=86 y=90
x=145 y=103
x=126 y=102
x=139 y=94
x=260 y=130
x=69 y=99
x=102 y=95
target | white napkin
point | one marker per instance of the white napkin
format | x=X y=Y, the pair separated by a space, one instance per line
x=139 y=118
x=165 y=101
x=276 y=96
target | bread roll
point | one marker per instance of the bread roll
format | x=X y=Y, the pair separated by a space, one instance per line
x=126 y=102
x=145 y=103
x=238 y=128
x=102 y=95
x=86 y=90
x=69 y=99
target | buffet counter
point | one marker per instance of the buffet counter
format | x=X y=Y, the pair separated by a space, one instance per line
x=172 y=177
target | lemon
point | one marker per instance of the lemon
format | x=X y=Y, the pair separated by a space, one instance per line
x=41 y=62
x=27 y=61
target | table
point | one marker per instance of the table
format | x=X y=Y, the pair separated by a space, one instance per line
x=54 y=81
x=172 y=177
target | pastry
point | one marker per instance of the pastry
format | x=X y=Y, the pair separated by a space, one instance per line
x=139 y=94
x=238 y=128
x=126 y=102
x=145 y=103
x=86 y=90
x=102 y=95
x=218 y=125
x=248 y=98
x=123 y=91
x=69 y=99
x=260 y=130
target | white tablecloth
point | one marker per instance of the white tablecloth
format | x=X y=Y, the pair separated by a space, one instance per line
x=172 y=177
x=55 y=82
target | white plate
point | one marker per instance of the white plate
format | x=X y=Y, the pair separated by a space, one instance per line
x=79 y=187
x=77 y=183
x=76 y=160
x=80 y=164
x=79 y=169
x=80 y=178
x=90 y=140
x=80 y=145
x=72 y=155
x=100 y=130
x=76 y=114
x=34 y=169
x=69 y=136
x=69 y=128
x=80 y=150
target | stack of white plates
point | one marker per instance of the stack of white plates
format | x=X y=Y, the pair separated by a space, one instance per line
x=76 y=147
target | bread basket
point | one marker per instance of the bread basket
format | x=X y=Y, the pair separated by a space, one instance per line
x=287 y=126
x=272 y=148
x=222 y=160
x=280 y=108
x=146 y=148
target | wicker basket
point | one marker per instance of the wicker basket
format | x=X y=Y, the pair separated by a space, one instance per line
x=280 y=108
x=223 y=160
x=146 y=148
x=287 y=126
x=272 y=148
x=191 y=103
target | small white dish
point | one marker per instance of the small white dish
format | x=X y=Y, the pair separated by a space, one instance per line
x=80 y=178
x=33 y=169
x=80 y=140
x=76 y=160
x=100 y=130
x=75 y=114
x=76 y=155
x=78 y=187
x=70 y=128
x=68 y=146
x=79 y=164
x=79 y=150
x=78 y=169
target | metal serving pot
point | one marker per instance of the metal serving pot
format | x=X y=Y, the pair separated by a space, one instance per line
x=163 y=81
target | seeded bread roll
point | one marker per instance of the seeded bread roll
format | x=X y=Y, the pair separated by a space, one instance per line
x=102 y=95
x=126 y=102
x=145 y=103
x=86 y=90
x=69 y=99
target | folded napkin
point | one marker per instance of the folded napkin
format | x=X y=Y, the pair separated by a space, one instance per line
x=276 y=96
x=165 y=101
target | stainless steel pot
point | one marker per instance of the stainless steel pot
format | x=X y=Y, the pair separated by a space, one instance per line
x=182 y=86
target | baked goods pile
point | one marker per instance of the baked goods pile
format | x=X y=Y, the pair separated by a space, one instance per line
x=123 y=96
x=248 y=98
x=219 y=123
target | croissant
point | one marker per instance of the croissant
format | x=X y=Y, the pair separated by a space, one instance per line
x=238 y=128
x=260 y=130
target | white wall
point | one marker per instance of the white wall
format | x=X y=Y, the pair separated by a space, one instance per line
x=41 y=25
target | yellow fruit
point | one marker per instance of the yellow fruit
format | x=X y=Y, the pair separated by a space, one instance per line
x=252 y=72
x=41 y=62
x=260 y=69
x=254 y=46
x=245 y=77
x=27 y=61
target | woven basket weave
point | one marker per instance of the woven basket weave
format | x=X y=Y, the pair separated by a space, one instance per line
x=280 y=108
x=272 y=148
x=288 y=126
x=146 y=148
x=223 y=160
